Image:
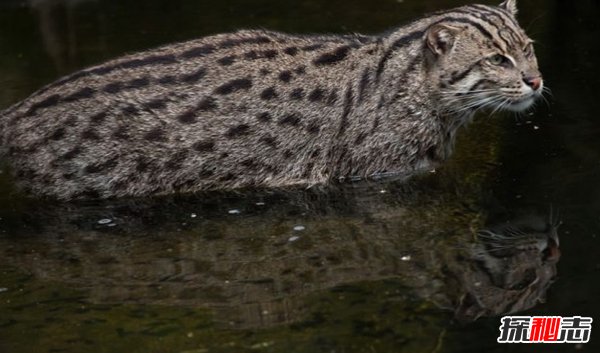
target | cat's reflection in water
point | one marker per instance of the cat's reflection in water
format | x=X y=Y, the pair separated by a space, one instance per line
x=257 y=268
x=515 y=264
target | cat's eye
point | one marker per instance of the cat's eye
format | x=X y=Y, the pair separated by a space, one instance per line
x=500 y=60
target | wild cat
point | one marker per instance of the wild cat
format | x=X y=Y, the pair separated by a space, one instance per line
x=266 y=109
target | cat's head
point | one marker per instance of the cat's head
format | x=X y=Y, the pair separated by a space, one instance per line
x=483 y=59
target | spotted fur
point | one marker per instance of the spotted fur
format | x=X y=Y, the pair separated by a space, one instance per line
x=266 y=109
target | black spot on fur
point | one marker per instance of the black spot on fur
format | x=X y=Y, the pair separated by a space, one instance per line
x=334 y=57
x=285 y=76
x=297 y=94
x=312 y=47
x=316 y=95
x=204 y=146
x=98 y=118
x=57 y=134
x=269 y=141
x=100 y=167
x=159 y=103
x=264 y=117
x=227 y=60
x=268 y=93
x=167 y=80
x=313 y=128
x=287 y=154
x=264 y=72
x=261 y=54
x=90 y=134
x=83 y=93
x=48 y=102
x=142 y=164
x=188 y=117
x=291 y=51
x=114 y=87
x=156 y=134
x=251 y=55
x=233 y=86
x=290 y=119
x=72 y=153
x=194 y=76
x=315 y=153
x=137 y=83
x=198 y=52
x=237 y=131
x=130 y=110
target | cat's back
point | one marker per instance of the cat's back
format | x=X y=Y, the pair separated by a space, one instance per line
x=182 y=117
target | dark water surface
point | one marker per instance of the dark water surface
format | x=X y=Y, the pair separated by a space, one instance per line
x=378 y=267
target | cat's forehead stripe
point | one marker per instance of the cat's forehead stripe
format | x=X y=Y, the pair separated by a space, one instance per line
x=505 y=26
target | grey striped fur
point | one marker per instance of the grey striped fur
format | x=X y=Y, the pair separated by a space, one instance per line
x=266 y=109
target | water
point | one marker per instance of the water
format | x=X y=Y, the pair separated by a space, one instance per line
x=358 y=268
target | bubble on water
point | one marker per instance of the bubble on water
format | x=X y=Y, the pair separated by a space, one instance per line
x=406 y=258
x=293 y=239
x=3 y=289
x=299 y=228
x=535 y=127
x=260 y=204
x=193 y=215
x=105 y=221
x=234 y=211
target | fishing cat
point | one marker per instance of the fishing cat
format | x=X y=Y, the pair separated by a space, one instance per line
x=266 y=109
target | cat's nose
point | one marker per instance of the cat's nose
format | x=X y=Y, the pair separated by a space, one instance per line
x=534 y=82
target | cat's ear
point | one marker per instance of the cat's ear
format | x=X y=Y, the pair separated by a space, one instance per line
x=510 y=6
x=440 y=38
